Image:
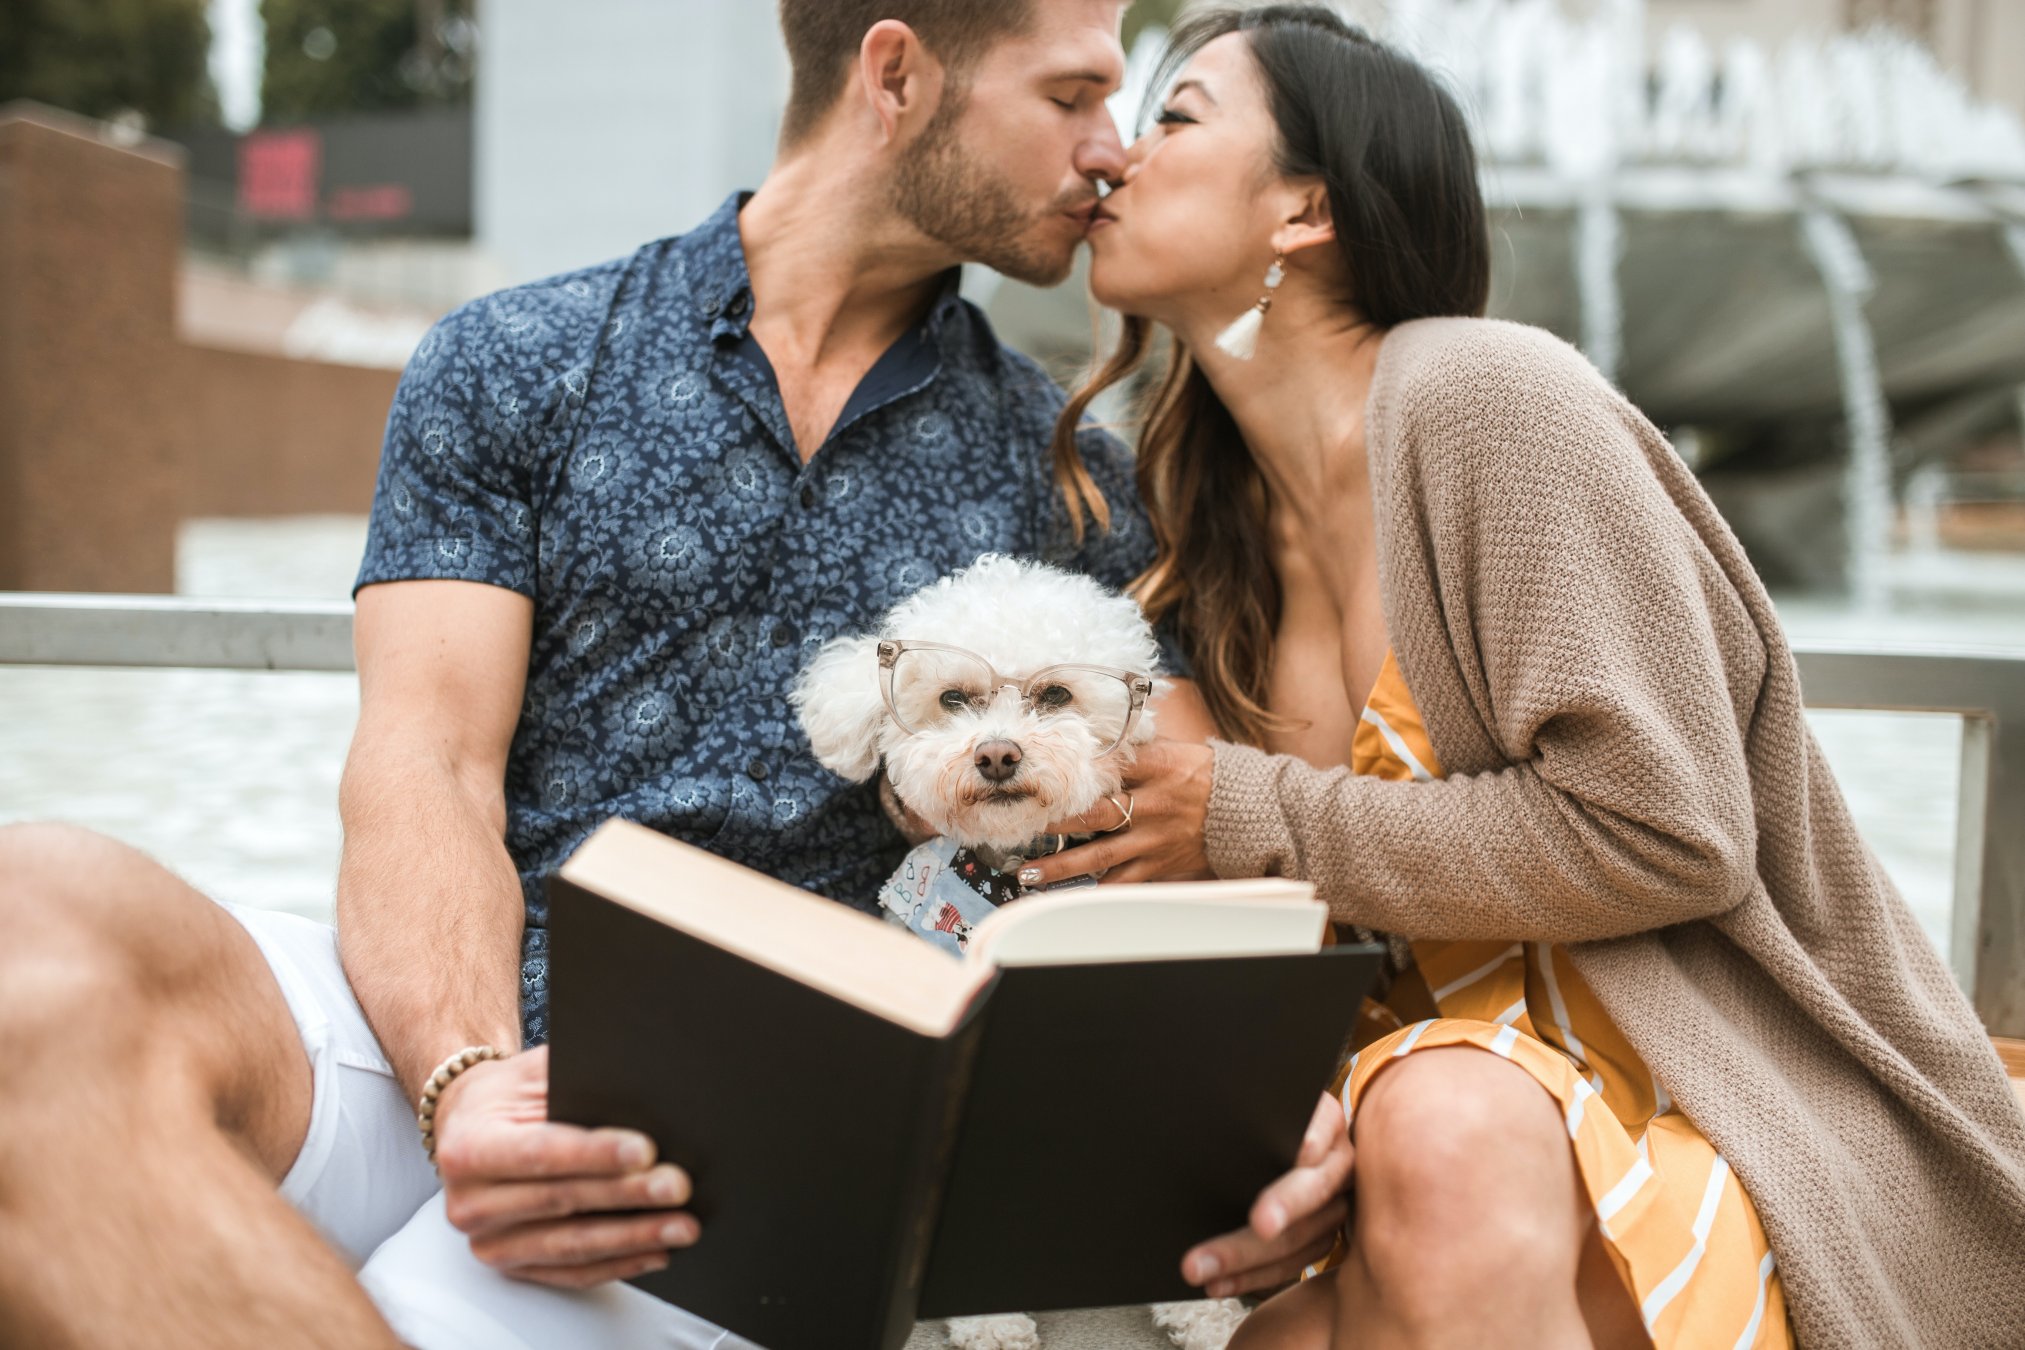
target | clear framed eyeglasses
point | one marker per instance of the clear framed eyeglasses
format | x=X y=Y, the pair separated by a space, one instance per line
x=928 y=685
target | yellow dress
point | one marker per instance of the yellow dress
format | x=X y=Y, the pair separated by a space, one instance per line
x=1682 y=1233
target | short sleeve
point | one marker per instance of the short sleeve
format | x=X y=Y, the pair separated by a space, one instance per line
x=453 y=497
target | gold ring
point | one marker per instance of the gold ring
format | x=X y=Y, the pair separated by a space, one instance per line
x=1125 y=811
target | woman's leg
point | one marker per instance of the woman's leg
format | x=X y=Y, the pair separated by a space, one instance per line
x=1471 y=1224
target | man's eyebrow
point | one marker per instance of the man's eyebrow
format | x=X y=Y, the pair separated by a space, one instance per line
x=1085 y=77
x=1199 y=88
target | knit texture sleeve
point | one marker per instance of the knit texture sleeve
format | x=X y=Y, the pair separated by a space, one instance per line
x=1536 y=563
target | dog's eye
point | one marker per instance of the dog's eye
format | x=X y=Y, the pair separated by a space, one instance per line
x=1054 y=696
x=955 y=700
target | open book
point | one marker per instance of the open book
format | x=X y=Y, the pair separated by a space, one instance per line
x=878 y=1131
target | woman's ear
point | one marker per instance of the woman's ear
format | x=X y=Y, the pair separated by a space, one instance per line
x=1308 y=219
x=838 y=701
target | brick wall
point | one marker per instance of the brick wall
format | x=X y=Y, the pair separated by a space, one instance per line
x=112 y=429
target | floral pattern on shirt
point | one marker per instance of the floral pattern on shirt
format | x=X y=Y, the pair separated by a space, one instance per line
x=610 y=444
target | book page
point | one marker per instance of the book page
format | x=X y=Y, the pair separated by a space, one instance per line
x=1154 y=921
x=862 y=960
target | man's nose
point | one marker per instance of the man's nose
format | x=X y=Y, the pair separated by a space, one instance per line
x=1101 y=155
x=998 y=760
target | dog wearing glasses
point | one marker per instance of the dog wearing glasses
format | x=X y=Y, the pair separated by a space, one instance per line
x=1000 y=698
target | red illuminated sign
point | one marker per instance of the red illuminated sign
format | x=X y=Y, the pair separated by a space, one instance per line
x=278 y=173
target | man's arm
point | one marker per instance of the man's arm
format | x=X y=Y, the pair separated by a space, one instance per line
x=430 y=914
x=429 y=905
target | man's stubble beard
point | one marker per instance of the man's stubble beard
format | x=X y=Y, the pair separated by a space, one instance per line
x=974 y=214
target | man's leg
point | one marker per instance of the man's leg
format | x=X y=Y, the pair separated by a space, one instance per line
x=153 y=1091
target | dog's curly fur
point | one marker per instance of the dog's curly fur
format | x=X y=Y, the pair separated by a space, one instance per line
x=1020 y=616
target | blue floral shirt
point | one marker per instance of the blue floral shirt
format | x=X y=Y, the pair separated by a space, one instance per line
x=611 y=444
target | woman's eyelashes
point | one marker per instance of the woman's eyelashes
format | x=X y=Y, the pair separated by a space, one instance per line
x=1172 y=117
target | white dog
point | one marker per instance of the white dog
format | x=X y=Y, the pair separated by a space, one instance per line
x=926 y=711
x=1000 y=698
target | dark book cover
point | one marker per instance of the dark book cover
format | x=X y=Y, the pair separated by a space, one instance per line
x=813 y=1131
x=1080 y=1129
x=1121 y=1113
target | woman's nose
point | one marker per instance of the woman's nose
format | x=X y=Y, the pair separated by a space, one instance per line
x=1135 y=158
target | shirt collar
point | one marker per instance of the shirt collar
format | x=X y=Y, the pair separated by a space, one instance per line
x=721 y=287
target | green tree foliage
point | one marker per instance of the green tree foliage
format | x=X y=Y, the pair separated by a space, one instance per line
x=1146 y=14
x=106 y=58
x=330 y=57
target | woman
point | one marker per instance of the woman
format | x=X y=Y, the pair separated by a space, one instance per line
x=1490 y=671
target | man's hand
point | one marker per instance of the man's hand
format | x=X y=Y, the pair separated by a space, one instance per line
x=1293 y=1223
x=553 y=1204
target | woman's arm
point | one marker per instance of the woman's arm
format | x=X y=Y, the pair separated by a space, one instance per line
x=1593 y=639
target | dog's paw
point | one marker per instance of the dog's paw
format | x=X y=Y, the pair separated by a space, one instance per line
x=997 y=1331
x=1203 y=1324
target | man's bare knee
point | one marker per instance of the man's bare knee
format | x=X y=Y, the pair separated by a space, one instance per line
x=113 y=962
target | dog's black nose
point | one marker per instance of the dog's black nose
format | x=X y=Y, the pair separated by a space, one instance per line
x=998 y=760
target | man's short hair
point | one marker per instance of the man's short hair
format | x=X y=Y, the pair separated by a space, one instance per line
x=823 y=37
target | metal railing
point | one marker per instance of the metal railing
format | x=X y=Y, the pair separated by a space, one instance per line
x=1985 y=687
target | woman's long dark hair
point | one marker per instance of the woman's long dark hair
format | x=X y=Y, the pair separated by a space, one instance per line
x=1392 y=148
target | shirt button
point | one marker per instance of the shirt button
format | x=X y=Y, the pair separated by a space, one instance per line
x=808 y=496
x=758 y=770
x=782 y=636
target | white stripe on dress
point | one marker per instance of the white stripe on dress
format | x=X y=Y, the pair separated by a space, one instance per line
x=1705 y=1219
x=1411 y=1037
x=1511 y=1014
x=1544 y=953
x=1501 y=1044
x=1398 y=746
x=1575 y=1108
x=1466 y=981
x=1618 y=1196
x=1750 y=1336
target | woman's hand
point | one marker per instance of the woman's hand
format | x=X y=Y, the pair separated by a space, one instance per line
x=1169 y=783
x=1293 y=1223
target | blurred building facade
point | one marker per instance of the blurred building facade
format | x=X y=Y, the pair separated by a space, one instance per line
x=1801 y=251
x=603 y=125
x=1980 y=41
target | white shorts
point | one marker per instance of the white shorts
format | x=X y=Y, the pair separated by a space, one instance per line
x=364 y=1182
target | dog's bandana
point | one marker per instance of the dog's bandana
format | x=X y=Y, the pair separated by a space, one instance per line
x=944 y=889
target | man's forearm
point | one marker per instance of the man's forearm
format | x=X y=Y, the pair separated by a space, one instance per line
x=430 y=911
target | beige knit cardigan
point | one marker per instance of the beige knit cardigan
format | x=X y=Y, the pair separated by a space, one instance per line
x=1628 y=772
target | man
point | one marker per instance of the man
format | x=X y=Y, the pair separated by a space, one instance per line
x=615 y=509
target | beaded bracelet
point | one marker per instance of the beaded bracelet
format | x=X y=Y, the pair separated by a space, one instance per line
x=446 y=1074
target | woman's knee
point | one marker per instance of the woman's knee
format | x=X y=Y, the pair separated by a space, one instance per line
x=1300 y=1318
x=1462 y=1162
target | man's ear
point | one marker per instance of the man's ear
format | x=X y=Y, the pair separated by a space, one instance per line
x=901 y=81
x=838 y=700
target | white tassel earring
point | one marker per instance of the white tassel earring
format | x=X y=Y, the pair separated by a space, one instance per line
x=1241 y=339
